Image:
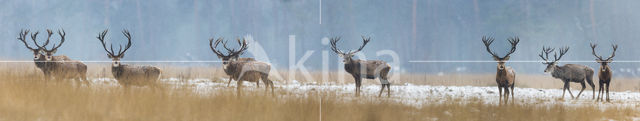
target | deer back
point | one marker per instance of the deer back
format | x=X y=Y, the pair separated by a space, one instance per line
x=372 y=67
x=127 y=73
x=572 y=72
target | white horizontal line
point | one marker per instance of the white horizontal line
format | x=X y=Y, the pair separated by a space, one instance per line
x=516 y=61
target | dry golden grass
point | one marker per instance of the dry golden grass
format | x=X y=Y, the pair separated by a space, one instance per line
x=24 y=96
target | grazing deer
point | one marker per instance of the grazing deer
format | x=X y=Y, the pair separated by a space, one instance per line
x=242 y=70
x=604 y=75
x=568 y=72
x=370 y=69
x=505 y=76
x=57 y=67
x=129 y=75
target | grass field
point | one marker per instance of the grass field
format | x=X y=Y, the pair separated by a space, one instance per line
x=24 y=96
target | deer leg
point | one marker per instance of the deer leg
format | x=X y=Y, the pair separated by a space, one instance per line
x=389 y=90
x=600 y=86
x=512 y=92
x=564 y=89
x=500 y=93
x=608 y=100
x=381 y=89
x=568 y=86
x=358 y=85
x=228 y=83
x=239 y=88
x=506 y=94
x=583 y=87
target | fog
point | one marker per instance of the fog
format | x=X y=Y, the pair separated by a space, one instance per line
x=417 y=30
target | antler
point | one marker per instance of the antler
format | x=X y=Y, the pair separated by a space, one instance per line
x=243 y=47
x=562 y=52
x=230 y=52
x=545 y=52
x=128 y=35
x=514 y=42
x=334 y=47
x=101 y=38
x=364 y=43
x=33 y=38
x=62 y=35
x=487 y=43
x=22 y=36
x=213 y=46
x=593 y=51
x=120 y=51
x=615 y=47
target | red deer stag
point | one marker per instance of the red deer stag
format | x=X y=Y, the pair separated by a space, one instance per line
x=57 y=67
x=61 y=66
x=251 y=70
x=567 y=73
x=224 y=44
x=129 y=75
x=505 y=76
x=370 y=69
x=604 y=75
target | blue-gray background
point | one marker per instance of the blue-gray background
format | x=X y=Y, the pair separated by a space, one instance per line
x=441 y=30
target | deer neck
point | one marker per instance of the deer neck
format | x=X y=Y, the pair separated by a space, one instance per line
x=230 y=67
x=558 y=72
x=117 y=71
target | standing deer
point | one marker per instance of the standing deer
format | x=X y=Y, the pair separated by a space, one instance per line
x=370 y=69
x=568 y=72
x=604 y=75
x=63 y=67
x=505 y=76
x=129 y=75
x=242 y=70
x=56 y=67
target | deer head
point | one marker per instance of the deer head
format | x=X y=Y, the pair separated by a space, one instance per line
x=115 y=57
x=603 y=62
x=545 y=56
x=37 y=52
x=48 y=53
x=349 y=54
x=501 y=60
x=232 y=54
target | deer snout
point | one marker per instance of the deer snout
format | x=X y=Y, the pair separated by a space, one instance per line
x=36 y=57
x=116 y=63
x=501 y=67
x=48 y=58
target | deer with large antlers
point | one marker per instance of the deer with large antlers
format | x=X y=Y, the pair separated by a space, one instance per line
x=567 y=73
x=604 y=75
x=369 y=69
x=56 y=67
x=505 y=76
x=129 y=75
x=247 y=69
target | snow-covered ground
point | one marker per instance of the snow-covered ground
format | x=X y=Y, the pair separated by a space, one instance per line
x=418 y=94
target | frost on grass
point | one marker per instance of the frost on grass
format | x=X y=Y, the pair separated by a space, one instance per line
x=409 y=94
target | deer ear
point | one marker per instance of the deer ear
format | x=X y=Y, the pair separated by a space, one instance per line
x=341 y=55
x=496 y=59
x=54 y=51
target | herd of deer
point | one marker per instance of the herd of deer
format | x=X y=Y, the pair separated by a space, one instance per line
x=505 y=76
x=61 y=67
